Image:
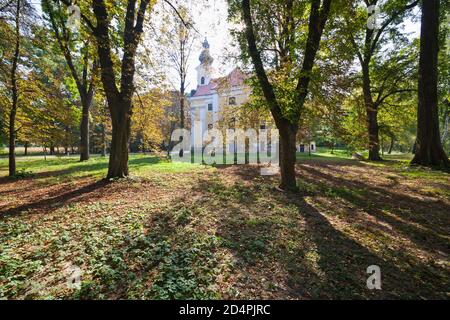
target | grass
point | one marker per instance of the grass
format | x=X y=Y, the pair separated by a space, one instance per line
x=189 y=231
x=69 y=168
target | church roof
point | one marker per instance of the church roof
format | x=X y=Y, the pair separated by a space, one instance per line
x=234 y=79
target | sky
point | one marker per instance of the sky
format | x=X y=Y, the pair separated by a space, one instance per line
x=210 y=17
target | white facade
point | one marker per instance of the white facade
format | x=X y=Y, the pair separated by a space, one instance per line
x=210 y=96
x=205 y=103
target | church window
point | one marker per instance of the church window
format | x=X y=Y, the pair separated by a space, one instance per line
x=210 y=107
x=202 y=81
x=232 y=123
x=232 y=101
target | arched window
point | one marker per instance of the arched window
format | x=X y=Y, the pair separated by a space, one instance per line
x=202 y=81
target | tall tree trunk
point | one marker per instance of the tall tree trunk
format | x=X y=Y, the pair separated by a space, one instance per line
x=445 y=125
x=85 y=87
x=121 y=126
x=182 y=89
x=373 y=130
x=87 y=95
x=429 y=151
x=84 y=134
x=12 y=145
x=391 y=145
x=103 y=152
x=119 y=101
x=288 y=136
x=26 y=148
x=372 y=115
x=182 y=102
x=288 y=127
x=15 y=97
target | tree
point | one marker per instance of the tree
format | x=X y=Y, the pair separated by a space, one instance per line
x=177 y=39
x=147 y=119
x=15 y=93
x=366 y=43
x=48 y=115
x=19 y=12
x=83 y=69
x=429 y=151
x=119 y=89
x=285 y=35
x=101 y=135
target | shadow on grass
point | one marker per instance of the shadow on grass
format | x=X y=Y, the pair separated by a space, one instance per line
x=90 y=168
x=322 y=262
x=424 y=222
x=56 y=202
x=282 y=245
x=169 y=261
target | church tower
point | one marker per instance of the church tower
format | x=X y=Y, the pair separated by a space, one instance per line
x=204 y=70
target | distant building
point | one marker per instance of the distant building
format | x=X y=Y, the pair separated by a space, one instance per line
x=306 y=147
x=214 y=94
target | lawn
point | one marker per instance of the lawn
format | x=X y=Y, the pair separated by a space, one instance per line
x=184 y=231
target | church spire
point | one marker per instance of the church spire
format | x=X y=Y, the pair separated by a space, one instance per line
x=205 y=57
x=206 y=44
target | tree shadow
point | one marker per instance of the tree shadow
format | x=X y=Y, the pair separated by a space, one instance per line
x=168 y=261
x=58 y=201
x=423 y=222
x=283 y=245
x=344 y=262
x=85 y=167
x=322 y=261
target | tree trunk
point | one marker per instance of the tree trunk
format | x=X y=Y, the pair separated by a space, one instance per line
x=118 y=158
x=182 y=107
x=288 y=157
x=429 y=151
x=86 y=101
x=84 y=134
x=181 y=113
x=15 y=97
x=391 y=145
x=103 y=152
x=373 y=130
x=445 y=122
x=12 y=146
x=26 y=148
x=372 y=116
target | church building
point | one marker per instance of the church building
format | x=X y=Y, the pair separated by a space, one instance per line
x=214 y=94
